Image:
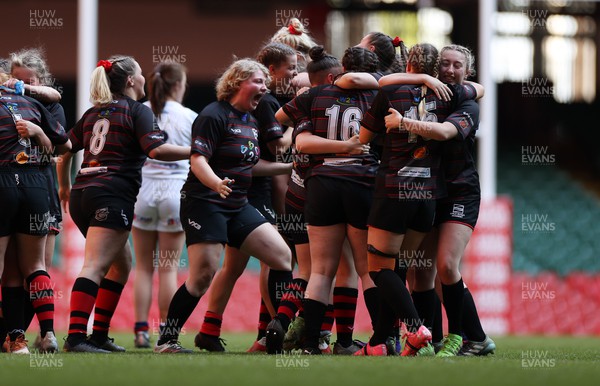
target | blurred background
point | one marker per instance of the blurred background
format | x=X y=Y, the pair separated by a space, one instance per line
x=534 y=261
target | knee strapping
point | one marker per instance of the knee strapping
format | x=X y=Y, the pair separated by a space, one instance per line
x=375 y=251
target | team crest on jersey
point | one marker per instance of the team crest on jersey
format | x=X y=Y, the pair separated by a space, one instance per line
x=106 y=112
x=25 y=142
x=101 y=214
x=463 y=123
x=347 y=100
x=420 y=152
x=21 y=158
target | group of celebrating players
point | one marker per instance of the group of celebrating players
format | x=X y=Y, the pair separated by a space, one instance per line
x=351 y=169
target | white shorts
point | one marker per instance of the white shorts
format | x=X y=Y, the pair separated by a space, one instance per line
x=157 y=205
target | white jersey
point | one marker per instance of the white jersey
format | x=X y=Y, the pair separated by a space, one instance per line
x=176 y=121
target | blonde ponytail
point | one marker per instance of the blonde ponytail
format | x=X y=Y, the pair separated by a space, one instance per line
x=99 y=87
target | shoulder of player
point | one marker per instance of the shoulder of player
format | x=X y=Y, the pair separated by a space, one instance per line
x=320 y=89
x=190 y=114
x=469 y=105
x=392 y=89
x=377 y=75
x=217 y=112
x=132 y=104
x=21 y=99
x=213 y=110
x=390 y=93
x=124 y=105
x=462 y=92
x=268 y=98
x=268 y=103
x=179 y=110
x=54 y=107
x=25 y=101
x=329 y=91
x=470 y=109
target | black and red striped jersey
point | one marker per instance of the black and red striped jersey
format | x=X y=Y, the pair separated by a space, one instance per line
x=116 y=139
x=296 y=194
x=458 y=154
x=410 y=165
x=334 y=113
x=15 y=150
x=269 y=129
x=58 y=112
x=228 y=138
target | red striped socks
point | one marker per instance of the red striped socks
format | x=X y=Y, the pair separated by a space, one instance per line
x=83 y=298
x=212 y=324
x=109 y=295
x=41 y=295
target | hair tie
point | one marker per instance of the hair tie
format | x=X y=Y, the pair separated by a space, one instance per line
x=396 y=42
x=293 y=30
x=157 y=74
x=106 y=64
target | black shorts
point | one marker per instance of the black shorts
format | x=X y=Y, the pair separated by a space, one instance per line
x=96 y=207
x=397 y=216
x=55 y=211
x=461 y=210
x=205 y=221
x=293 y=225
x=24 y=200
x=331 y=201
x=265 y=206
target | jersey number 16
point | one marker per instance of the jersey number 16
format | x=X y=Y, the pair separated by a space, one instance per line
x=350 y=122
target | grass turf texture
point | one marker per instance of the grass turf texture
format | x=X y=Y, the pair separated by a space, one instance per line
x=527 y=361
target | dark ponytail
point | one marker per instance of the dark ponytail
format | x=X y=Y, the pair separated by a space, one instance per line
x=385 y=48
x=161 y=83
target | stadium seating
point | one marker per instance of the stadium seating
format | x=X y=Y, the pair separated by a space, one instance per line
x=559 y=214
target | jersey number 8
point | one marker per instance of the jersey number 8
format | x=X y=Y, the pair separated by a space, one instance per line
x=99 y=131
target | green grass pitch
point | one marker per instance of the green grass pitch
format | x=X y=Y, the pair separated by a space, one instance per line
x=571 y=361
